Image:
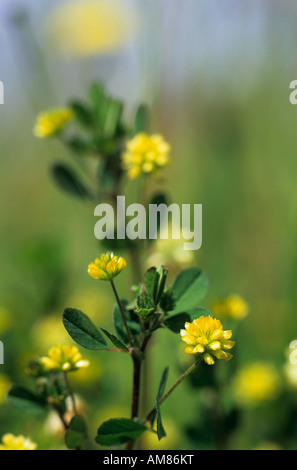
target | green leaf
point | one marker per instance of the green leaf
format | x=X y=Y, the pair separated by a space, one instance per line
x=78 y=145
x=167 y=300
x=197 y=312
x=26 y=399
x=82 y=330
x=141 y=119
x=163 y=382
x=160 y=428
x=113 y=116
x=82 y=113
x=76 y=433
x=189 y=288
x=132 y=321
x=145 y=313
x=163 y=273
x=154 y=282
x=161 y=391
x=151 y=282
x=115 y=341
x=68 y=181
x=119 y=431
x=177 y=322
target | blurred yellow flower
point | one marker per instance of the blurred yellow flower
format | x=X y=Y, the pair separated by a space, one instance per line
x=150 y=440
x=88 y=27
x=49 y=330
x=145 y=154
x=88 y=375
x=49 y=123
x=268 y=446
x=5 y=385
x=11 y=442
x=170 y=251
x=110 y=412
x=233 y=306
x=63 y=359
x=255 y=383
x=86 y=300
x=107 y=267
x=205 y=336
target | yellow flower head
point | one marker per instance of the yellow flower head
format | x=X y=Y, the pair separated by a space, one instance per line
x=63 y=359
x=205 y=336
x=85 y=28
x=51 y=122
x=11 y=442
x=145 y=154
x=233 y=306
x=256 y=383
x=107 y=267
x=168 y=249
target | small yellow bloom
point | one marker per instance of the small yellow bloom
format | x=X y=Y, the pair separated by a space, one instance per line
x=268 y=446
x=107 y=267
x=205 y=336
x=145 y=154
x=51 y=122
x=168 y=249
x=63 y=359
x=11 y=442
x=256 y=383
x=233 y=306
x=85 y=28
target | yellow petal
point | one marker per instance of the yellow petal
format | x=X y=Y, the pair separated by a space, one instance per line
x=208 y=359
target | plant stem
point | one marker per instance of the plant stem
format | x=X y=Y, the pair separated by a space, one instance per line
x=179 y=380
x=122 y=313
x=71 y=394
x=136 y=386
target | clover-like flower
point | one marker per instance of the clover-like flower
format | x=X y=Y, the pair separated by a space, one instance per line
x=11 y=442
x=63 y=359
x=51 y=122
x=255 y=383
x=233 y=306
x=107 y=267
x=145 y=154
x=111 y=25
x=205 y=336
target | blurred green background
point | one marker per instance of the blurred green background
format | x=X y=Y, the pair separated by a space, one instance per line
x=216 y=76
